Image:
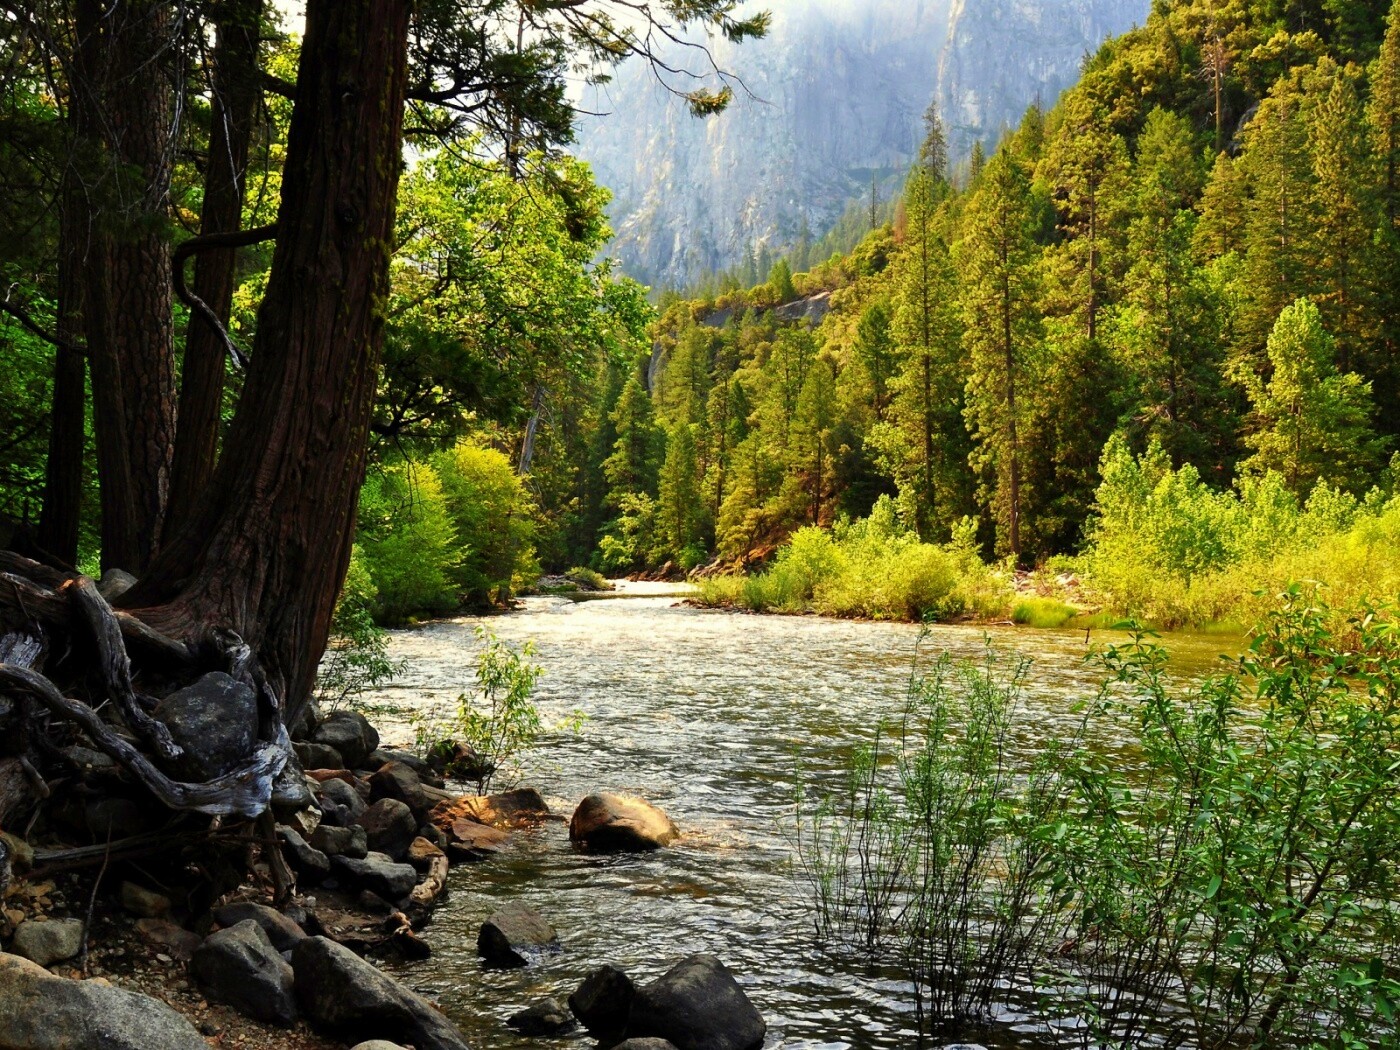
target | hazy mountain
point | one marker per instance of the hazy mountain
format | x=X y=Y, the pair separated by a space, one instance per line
x=835 y=93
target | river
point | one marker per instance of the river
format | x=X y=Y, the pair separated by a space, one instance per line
x=714 y=716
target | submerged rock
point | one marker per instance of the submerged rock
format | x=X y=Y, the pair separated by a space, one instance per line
x=606 y=822
x=697 y=1005
x=546 y=1017
x=507 y=809
x=239 y=966
x=471 y=841
x=515 y=936
x=39 y=1011
x=341 y=993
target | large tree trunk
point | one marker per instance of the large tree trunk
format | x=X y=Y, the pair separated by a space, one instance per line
x=124 y=71
x=237 y=90
x=63 y=477
x=267 y=549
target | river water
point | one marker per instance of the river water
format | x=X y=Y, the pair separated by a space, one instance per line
x=716 y=717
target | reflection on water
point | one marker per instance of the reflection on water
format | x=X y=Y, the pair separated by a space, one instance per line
x=714 y=716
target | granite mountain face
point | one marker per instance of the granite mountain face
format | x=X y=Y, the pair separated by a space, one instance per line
x=831 y=99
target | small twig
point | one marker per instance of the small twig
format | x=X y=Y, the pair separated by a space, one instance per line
x=92 y=904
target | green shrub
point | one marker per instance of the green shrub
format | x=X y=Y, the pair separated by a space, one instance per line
x=1167 y=549
x=357 y=655
x=499 y=722
x=408 y=543
x=494 y=519
x=874 y=568
x=589 y=579
x=1227 y=880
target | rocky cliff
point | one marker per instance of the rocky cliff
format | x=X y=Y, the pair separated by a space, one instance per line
x=833 y=96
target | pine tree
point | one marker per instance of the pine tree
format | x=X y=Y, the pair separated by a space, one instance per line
x=633 y=465
x=780 y=280
x=1086 y=168
x=1278 y=169
x=812 y=427
x=875 y=350
x=1221 y=227
x=1311 y=422
x=996 y=261
x=680 y=509
x=1346 y=214
x=914 y=446
x=1383 y=116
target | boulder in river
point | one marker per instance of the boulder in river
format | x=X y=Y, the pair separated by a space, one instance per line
x=48 y=942
x=350 y=733
x=697 y=1005
x=239 y=966
x=606 y=822
x=603 y=1002
x=341 y=993
x=39 y=1011
x=471 y=841
x=544 y=1018
x=644 y=1044
x=215 y=722
x=514 y=936
x=515 y=808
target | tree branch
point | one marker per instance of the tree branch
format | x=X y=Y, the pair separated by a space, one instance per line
x=214 y=242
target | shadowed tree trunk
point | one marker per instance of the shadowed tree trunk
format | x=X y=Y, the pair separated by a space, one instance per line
x=237 y=90
x=63 y=476
x=123 y=64
x=268 y=546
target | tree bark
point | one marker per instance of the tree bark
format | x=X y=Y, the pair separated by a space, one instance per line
x=237 y=89
x=123 y=65
x=266 y=552
x=61 y=517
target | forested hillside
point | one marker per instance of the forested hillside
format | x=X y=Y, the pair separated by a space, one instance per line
x=1191 y=258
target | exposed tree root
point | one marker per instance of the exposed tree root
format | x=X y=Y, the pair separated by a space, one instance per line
x=43 y=609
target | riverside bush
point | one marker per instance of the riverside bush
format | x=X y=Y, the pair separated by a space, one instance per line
x=1227 y=880
x=1168 y=549
x=873 y=568
x=408 y=542
x=498 y=721
x=357 y=654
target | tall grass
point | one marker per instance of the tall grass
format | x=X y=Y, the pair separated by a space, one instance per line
x=1226 y=881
